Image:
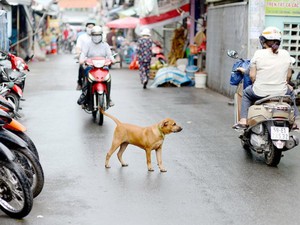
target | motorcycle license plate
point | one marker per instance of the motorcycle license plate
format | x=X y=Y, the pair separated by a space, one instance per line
x=280 y=133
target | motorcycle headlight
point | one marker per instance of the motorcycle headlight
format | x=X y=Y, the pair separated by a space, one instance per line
x=98 y=63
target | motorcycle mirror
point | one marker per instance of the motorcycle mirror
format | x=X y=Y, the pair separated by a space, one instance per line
x=29 y=59
x=2 y=55
x=293 y=60
x=232 y=54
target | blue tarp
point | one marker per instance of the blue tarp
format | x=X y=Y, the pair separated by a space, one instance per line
x=171 y=75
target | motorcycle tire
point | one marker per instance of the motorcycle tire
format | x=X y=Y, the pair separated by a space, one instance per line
x=102 y=101
x=94 y=114
x=29 y=142
x=100 y=117
x=15 y=194
x=32 y=168
x=15 y=99
x=273 y=157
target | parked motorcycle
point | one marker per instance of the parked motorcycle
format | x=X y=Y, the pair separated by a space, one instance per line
x=12 y=92
x=15 y=74
x=295 y=83
x=24 y=157
x=270 y=121
x=15 y=194
x=157 y=51
x=97 y=94
x=16 y=127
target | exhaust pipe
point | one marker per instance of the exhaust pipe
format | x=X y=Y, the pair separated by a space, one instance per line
x=292 y=142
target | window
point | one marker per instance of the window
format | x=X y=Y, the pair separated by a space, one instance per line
x=291 y=41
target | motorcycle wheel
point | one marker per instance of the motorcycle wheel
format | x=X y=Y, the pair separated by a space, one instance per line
x=273 y=157
x=15 y=194
x=15 y=99
x=103 y=104
x=29 y=142
x=101 y=118
x=32 y=168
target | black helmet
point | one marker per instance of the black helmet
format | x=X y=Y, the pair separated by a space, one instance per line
x=90 y=23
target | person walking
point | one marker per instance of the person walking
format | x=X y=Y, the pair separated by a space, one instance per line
x=111 y=39
x=144 y=53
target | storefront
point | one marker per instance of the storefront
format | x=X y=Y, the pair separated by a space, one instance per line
x=285 y=15
x=20 y=27
x=4 y=41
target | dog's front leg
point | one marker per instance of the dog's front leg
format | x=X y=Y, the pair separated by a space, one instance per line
x=148 y=157
x=159 y=160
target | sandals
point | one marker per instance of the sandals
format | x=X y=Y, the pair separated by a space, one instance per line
x=239 y=126
x=295 y=127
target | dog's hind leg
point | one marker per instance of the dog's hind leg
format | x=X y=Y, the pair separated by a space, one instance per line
x=113 y=148
x=120 y=153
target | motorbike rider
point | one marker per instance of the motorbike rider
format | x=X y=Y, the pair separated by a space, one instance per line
x=270 y=72
x=85 y=37
x=93 y=48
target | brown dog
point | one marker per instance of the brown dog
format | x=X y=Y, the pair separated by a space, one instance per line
x=147 y=138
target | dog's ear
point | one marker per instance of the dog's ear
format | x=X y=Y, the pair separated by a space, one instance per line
x=164 y=123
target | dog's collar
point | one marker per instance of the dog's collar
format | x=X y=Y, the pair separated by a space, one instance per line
x=160 y=131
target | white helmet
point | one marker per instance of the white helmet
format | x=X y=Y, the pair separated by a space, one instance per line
x=96 y=34
x=96 y=30
x=146 y=31
x=270 y=34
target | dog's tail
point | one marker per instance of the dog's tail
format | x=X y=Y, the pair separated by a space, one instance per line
x=110 y=116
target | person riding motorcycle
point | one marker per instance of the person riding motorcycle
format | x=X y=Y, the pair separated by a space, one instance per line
x=85 y=37
x=95 y=47
x=270 y=72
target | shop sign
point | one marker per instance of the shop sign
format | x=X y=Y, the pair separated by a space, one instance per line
x=282 y=7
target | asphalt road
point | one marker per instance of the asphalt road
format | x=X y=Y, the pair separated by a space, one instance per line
x=210 y=179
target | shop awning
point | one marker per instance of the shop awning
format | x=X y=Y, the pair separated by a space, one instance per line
x=126 y=22
x=69 y=4
x=174 y=15
x=19 y=2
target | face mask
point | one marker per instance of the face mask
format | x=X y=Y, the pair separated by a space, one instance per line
x=97 y=39
x=88 y=30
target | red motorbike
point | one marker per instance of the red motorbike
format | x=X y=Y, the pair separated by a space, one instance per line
x=97 y=95
x=12 y=78
x=157 y=51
